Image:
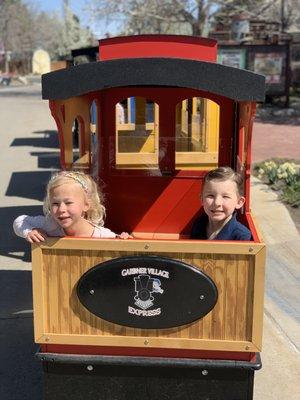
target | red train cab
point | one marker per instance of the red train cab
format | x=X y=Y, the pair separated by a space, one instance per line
x=160 y=315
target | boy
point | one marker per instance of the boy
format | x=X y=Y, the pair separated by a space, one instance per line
x=221 y=197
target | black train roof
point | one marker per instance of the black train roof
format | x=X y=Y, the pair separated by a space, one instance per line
x=236 y=84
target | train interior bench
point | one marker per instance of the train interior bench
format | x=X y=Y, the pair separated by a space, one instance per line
x=154 y=114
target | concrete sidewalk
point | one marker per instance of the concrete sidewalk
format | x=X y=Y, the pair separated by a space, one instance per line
x=279 y=377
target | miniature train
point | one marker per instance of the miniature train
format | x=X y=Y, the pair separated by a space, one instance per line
x=159 y=316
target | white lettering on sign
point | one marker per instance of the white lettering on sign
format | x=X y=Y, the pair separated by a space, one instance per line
x=144 y=313
x=150 y=271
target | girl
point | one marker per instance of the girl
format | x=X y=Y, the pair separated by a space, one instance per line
x=72 y=207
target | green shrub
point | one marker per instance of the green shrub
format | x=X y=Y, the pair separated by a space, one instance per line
x=282 y=176
x=288 y=173
x=291 y=195
x=268 y=169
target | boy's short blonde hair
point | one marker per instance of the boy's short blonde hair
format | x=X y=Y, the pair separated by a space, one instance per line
x=96 y=212
x=224 y=174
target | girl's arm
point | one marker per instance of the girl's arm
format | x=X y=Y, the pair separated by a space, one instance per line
x=106 y=233
x=32 y=229
x=124 y=235
x=102 y=232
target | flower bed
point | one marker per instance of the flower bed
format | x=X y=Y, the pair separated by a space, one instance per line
x=283 y=176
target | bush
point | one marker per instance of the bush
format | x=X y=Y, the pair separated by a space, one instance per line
x=291 y=195
x=283 y=176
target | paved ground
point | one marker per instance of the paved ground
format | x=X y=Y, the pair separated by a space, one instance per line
x=275 y=140
x=279 y=378
x=29 y=153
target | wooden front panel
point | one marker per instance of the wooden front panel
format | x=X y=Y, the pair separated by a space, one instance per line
x=229 y=326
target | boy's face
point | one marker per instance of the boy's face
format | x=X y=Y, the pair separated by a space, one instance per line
x=220 y=199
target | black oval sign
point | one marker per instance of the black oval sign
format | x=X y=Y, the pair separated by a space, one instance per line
x=147 y=292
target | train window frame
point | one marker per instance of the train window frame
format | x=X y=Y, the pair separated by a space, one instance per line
x=159 y=95
x=187 y=114
x=142 y=159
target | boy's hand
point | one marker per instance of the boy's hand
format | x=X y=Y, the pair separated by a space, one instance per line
x=124 y=235
x=36 y=236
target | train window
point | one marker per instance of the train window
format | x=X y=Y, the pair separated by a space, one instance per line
x=136 y=133
x=94 y=138
x=75 y=136
x=197 y=134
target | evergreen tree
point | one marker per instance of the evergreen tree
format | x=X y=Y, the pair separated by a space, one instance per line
x=73 y=35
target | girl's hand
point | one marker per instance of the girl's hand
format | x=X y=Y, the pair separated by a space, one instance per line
x=124 y=235
x=36 y=236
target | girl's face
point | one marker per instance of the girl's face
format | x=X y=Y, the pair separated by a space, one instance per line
x=220 y=199
x=68 y=205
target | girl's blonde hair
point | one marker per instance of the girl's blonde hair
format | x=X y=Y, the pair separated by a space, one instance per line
x=96 y=212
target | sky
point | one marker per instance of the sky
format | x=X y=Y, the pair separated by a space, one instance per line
x=56 y=5
x=77 y=7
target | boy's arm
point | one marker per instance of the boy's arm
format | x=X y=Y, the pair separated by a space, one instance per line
x=242 y=233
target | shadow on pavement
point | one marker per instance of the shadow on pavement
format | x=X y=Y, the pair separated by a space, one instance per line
x=47 y=159
x=47 y=139
x=11 y=245
x=20 y=372
x=19 y=92
x=30 y=185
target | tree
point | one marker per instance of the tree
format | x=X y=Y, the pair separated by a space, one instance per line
x=73 y=35
x=15 y=26
x=155 y=16
x=24 y=29
x=282 y=11
x=286 y=12
x=47 y=31
x=185 y=16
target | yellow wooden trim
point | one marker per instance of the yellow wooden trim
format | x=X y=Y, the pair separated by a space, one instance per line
x=155 y=235
x=137 y=159
x=162 y=246
x=130 y=127
x=194 y=106
x=128 y=109
x=186 y=158
x=257 y=227
x=258 y=299
x=156 y=119
x=126 y=127
x=129 y=341
x=82 y=163
x=196 y=157
x=212 y=124
x=74 y=107
x=38 y=291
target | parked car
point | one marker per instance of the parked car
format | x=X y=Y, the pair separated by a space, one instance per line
x=5 y=79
